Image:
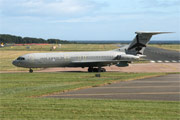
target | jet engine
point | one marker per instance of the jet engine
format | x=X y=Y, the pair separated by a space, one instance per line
x=127 y=57
x=122 y=64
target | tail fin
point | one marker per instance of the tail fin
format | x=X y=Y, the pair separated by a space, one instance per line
x=139 y=43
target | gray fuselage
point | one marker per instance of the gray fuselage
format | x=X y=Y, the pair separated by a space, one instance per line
x=67 y=59
x=71 y=59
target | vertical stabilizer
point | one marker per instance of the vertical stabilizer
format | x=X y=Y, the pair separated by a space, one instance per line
x=139 y=43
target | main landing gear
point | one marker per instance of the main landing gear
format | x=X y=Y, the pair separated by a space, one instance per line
x=99 y=69
x=30 y=70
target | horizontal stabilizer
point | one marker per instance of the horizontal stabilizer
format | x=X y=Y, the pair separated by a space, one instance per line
x=153 y=33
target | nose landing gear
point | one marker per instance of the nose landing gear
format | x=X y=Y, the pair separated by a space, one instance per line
x=30 y=70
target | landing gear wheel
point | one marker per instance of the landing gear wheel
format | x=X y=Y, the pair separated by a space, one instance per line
x=30 y=70
x=95 y=69
x=90 y=69
x=103 y=70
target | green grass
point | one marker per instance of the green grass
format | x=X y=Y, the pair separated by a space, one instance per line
x=79 y=109
x=17 y=103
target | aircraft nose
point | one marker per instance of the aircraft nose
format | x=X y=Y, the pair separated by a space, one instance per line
x=15 y=62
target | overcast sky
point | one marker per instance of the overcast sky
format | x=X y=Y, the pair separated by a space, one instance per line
x=89 y=19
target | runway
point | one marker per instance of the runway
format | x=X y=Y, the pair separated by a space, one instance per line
x=156 y=88
x=158 y=55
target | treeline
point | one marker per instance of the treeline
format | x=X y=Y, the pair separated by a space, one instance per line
x=6 y=38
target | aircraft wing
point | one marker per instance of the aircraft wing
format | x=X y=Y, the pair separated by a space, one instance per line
x=96 y=62
x=93 y=61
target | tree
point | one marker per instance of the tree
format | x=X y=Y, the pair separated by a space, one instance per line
x=6 y=38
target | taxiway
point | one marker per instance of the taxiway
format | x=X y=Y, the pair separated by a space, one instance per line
x=156 y=88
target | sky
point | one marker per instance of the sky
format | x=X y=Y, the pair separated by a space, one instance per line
x=89 y=19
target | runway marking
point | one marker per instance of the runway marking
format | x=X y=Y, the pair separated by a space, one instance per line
x=166 y=61
x=159 y=61
x=141 y=87
x=150 y=93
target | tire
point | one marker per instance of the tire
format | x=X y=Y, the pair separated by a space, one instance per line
x=95 y=69
x=90 y=69
x=103 y=70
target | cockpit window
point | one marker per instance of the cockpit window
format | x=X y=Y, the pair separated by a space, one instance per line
x=20 y=58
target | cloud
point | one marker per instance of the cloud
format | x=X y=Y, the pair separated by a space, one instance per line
x=49 y=7
x=98 y=18
x=161 y=3
x=81 y=19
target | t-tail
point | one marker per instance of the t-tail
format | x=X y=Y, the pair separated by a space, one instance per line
x=139 y=43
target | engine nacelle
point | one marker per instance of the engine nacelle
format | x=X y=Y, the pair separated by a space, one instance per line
x=126 y=57
x=122 y=64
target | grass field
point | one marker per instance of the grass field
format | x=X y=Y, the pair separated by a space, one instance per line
x=82 y=47
x=64 y=47
x=17 y=103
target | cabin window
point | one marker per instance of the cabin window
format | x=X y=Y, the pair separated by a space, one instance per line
x=20 y=58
